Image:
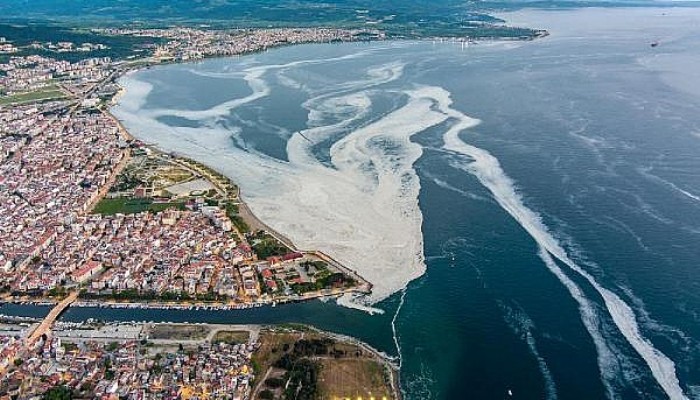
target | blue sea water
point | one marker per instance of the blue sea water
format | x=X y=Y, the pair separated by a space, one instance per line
x=561 y=248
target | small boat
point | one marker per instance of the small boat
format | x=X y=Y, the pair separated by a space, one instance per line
x=654 y=44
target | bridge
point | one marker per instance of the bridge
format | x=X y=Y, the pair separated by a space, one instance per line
x=47 y=323
x=43 y=328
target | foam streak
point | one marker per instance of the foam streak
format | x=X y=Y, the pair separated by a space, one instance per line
x=486 y=168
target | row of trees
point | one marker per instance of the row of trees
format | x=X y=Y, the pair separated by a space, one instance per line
x=136 y=295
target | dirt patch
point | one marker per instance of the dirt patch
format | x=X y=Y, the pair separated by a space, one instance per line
x=353 y=378
x=177 y=332
x=231 y=337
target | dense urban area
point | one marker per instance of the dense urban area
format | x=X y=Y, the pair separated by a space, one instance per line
x=87 y=207
x=190 y=361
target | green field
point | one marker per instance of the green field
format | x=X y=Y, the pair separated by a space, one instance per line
x=49 y=93
x=125 y=205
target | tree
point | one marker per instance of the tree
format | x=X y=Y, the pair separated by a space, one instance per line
x=58 y=393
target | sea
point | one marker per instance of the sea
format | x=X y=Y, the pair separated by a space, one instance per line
x=529 y=211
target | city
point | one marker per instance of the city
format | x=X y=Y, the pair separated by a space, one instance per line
x=90 y=216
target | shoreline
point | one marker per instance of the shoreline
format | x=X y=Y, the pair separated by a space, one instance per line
x=246 y=213
x=363 y=289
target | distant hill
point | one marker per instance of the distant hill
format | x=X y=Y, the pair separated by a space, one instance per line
x=399 y=18
x=239 y=12
x=402 y=18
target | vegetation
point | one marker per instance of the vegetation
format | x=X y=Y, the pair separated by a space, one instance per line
x=58 y=291
x=398 y=18
x=58 y=393
x=232 y=212
x=178 y=331
x=68 y=346
x=126 y=205
x=303 y=379
x=266 y=246
x=274 y=383
x=326 y=367
x=319 y=266
x=324 y=280
x=266 y=395
x=48 y=93
x=22 y=35
x=231 y=337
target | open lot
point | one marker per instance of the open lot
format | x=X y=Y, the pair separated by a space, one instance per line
x=353 y=378
x=231 y=337
x=345 y=370
x=178 y=331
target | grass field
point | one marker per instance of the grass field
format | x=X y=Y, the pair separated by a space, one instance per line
x=49 y=93
x=271 y=345
x=125 y=205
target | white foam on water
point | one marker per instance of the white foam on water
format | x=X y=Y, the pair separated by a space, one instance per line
x=254 y=77
x=351 y=301
x=394 y=331
x=646 y=172
x=362 y=209
x=607 y=363
x=137 y=92
x=443 y=184
x=487 y=169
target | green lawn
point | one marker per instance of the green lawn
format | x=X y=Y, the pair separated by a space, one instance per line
x=39 y=95
x=125 y=205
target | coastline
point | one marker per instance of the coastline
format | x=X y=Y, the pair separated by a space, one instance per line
x=363 y=289
x=248 y=215
x=132 y=67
